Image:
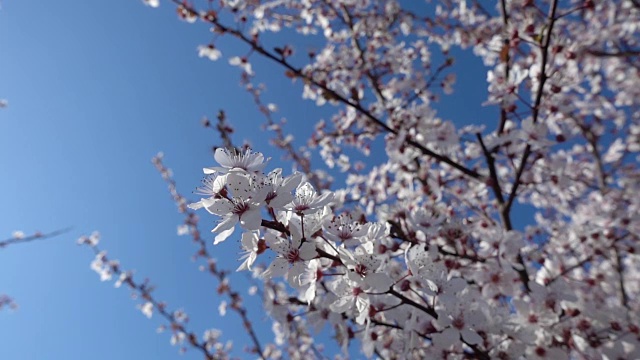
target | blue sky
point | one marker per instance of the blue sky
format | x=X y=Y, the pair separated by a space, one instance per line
x=95 y=89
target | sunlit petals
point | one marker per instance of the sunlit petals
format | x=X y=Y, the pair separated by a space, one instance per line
x=232 y=160
x=306 y=201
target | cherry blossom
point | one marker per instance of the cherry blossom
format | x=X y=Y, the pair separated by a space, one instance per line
x=209 y=52
x=306 y=201
x=291 y=256
x=243 y=209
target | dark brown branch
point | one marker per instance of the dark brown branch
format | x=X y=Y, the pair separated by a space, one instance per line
x=624 y=298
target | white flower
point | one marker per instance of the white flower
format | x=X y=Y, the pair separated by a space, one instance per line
x=534 y=134
x=178 y=338
x=183 y=229
x=211 y=337
x=233 y=211
x=102 y=266
x=453 y=333
x=209 y=51
x=459 y=320
x=351 y=296
x=147 y=309
x=279 y=189
x=292 y=255
x=422 y=266
x=364 y=268
x=222 y=308
x=124 y=277
x=243 y=207
x=212 y=185
x=17 y=234
x=344 y=229
x=242 y=63
x=307 y=201
x=91 y=240
x=237 y=161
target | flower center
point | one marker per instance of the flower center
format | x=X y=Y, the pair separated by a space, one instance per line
x=293 y=256
x=240 y=208
x=361 y=270
x=458 y=323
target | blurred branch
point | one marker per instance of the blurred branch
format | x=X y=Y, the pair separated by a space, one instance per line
x=35 y=236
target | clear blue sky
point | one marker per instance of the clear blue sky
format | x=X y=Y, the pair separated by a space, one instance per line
x=95 y=89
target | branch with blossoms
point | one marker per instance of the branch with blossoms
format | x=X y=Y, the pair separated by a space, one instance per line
x=209 y=346
x=18 y=237
x=310 y=243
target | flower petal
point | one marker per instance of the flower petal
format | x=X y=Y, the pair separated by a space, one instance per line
x=239 y=184
x=222 y=236
x=446 y=338
x=342 y=304
x=278 y=267
x=379 y=281
x=308 y=251
x=223 y=157
x=218 y=207
x=251 y=219
x=471 y=337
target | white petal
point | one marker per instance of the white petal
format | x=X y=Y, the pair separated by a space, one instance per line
x=249 y=241
x=195 y=205
x=371 y=261
x=379 y=281
x=290 y=183
x=308 y=251
x=295 y=271
x=281 y=200
x=309 y=293
x=323 y=200
x=454 y=285
x=342 y=304
x=225 y=229
x=471 y=337
x=251 y=219
x=280 y=246
x=557 y=354
x=250 y=258
x=521 y=306
x=278 y=267
x=218 y=207
x=446 y=338
x=213 y=170
x=227 y=222
x=239 y=184
x=222 y=236
x=223 y=158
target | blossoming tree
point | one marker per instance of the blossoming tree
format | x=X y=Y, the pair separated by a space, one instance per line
x=417 y=255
